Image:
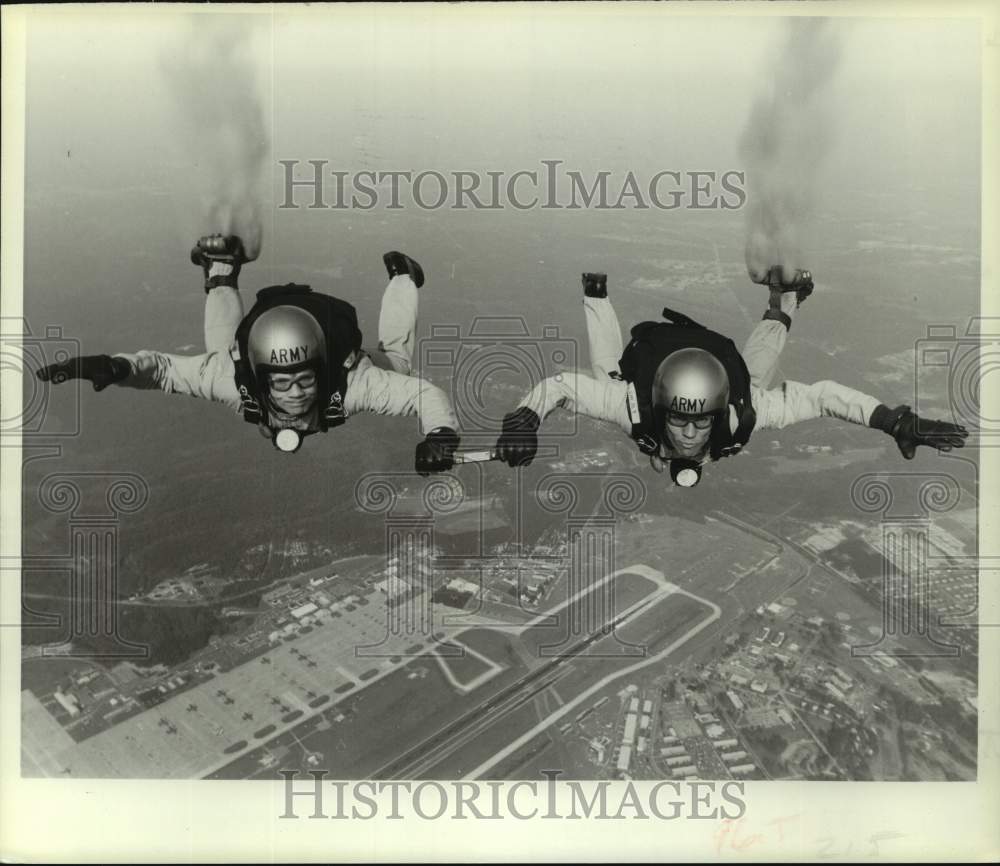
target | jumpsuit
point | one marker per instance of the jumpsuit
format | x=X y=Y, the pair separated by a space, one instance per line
x=606 y=399
x=379 y=381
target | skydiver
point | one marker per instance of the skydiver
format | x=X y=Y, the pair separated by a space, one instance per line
x=688 y=397
x=293 y=365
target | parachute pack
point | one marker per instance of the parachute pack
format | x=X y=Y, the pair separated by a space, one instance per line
x=339 y=322
x=651 y=343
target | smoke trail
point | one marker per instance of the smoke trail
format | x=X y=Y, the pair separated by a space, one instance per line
x=212 y=75
x=789 y=132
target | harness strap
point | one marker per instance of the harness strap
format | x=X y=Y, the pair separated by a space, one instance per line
x=777 y=316
x=221 y=280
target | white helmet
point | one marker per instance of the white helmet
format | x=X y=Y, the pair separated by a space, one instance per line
x=690 y=382
x=285 y=339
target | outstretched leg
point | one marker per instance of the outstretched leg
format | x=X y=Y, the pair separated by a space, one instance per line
x=766 y=342
x=223 y=314
x=764 y=346
x=603 y=331
x=397 y=321
x=221 y=259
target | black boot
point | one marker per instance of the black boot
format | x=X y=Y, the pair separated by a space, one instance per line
x=220 y=248
x=397 y=263
x=801 y=283
x=595 y=285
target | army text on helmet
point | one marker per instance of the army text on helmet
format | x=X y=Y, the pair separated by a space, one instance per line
x=294 y=355
x=691 y=381
x=688 y=406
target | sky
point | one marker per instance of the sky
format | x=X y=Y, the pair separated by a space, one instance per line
x=470 y=85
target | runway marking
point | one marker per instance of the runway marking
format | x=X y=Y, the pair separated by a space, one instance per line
x=475 y=682
x=567 y=708
x=655 y=576
x=642 y=570
x=513 y=703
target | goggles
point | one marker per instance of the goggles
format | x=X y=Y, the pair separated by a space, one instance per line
x=701 y=422
x=303 y=380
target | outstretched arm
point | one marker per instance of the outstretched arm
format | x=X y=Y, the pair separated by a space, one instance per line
x=794 y=402
x=581 y=394
x=603 y=399
x=209 y=376
x=386 y=392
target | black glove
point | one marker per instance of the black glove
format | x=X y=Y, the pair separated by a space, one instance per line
x=101 y=370
x=518 y=442
x=437 y=452
x=909 y=430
